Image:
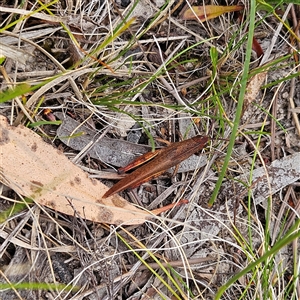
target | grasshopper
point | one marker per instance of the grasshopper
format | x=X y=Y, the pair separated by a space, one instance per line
x=156 y=163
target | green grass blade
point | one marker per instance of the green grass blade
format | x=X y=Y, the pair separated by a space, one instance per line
x=239 y=107
x=291 y=235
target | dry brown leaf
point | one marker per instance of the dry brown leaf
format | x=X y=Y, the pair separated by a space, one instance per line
x=36 y=170
x=253 y=88
x=207 y=12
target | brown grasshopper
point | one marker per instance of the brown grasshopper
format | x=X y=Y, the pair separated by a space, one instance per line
x=156 y=163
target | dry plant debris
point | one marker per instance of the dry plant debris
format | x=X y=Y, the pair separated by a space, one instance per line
x=115 y=152
x=38 y=171
x=119 y=75
x=207 y=12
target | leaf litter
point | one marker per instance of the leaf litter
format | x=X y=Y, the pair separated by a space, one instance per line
x=38 y=171
x=191 y=231
x=114 y=152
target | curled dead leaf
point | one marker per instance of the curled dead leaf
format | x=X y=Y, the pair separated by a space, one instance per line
x=207 y=12
x=253 y=88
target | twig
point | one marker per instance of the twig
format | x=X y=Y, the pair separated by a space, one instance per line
x=292 y=104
